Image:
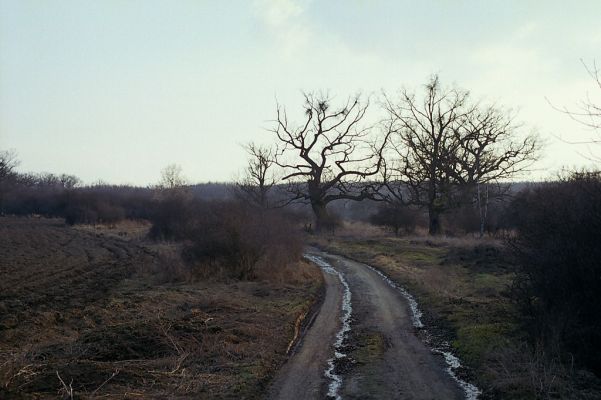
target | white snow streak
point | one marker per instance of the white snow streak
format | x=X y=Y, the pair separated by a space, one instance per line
x=471 y=391
x=330 y=373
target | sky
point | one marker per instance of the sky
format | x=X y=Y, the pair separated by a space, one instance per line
x=115 y=90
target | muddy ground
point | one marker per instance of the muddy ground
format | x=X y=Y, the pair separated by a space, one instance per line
x=91 y=312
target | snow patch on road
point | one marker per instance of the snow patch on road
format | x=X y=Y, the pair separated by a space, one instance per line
x=347 y=309
x=471 y=391
x=453 y=363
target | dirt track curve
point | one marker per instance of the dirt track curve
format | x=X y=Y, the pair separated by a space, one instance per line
x=393 y=362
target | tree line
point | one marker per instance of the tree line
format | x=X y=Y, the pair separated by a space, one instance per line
x=436 y=150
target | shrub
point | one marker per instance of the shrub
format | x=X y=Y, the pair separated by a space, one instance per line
x=395 y=217
x=462 y=220
x=58 y=196
x=87 y=207
x=172 y=215
x=227 y=236
x=329 y=223
x=558 y=252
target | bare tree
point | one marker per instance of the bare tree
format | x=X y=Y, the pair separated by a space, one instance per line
x=588 y=112
x=69 y=181
x=172 y=177
x=424 y=142
x=489 y=152
x=8 y=163
x=259 y=178
x=444 y=145
x=330 y=155
x=62 y=181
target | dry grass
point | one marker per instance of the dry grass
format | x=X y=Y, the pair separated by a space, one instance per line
x=126 y=229
x=358 y=230
x=296 y=273
x=94 y=310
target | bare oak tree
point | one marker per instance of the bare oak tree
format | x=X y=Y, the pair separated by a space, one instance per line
x=259 y=178
x=424 y=143
x=330 y=155
x=489 y=152
x=445 y=147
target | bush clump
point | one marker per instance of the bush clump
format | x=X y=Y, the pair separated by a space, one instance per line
x=396 y=217
x=227 y=235
x=558 y=252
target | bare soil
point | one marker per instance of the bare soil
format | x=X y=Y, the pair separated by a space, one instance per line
x=85 y=307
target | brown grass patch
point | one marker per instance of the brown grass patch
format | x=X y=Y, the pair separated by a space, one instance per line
x=126 y=229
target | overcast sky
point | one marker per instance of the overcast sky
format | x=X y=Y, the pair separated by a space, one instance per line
x=116 y=90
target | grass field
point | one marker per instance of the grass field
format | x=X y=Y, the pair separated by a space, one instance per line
x=94 y=310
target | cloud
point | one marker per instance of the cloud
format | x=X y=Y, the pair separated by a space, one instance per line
x=286 y=23
x=277 y=13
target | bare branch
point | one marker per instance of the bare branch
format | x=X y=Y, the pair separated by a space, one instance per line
x=259 y=178
x=331 y=154
x=444 y=143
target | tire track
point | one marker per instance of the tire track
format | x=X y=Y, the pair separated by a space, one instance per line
x=342 y=335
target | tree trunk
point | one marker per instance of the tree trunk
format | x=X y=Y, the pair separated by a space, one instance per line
x=480 y=211
x=321 y=215
x=483 y=209
x=433 y=209
x=434 y=217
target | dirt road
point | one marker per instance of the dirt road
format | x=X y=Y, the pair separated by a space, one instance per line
x=379 y=357
x=302 y=377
